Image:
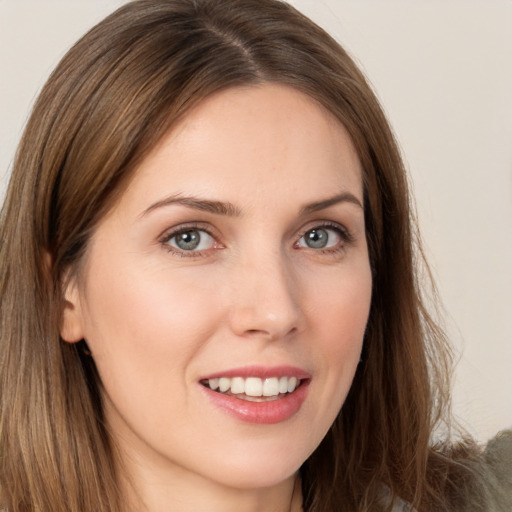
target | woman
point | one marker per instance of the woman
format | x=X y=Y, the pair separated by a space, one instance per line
x=209 y=300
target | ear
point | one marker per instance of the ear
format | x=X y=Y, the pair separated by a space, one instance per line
x=71 y=329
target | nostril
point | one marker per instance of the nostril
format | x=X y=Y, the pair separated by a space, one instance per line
x=270 y=333
x=257 y=333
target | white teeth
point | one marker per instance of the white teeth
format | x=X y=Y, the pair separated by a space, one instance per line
x=224 y=384
x=254 y=386
x=292 y=384
x=271 y=387
x=237 y=385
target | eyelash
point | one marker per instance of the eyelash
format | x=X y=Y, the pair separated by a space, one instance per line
x=184 y=228
x=345 y=235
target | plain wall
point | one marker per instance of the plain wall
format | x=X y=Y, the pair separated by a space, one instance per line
x=443 y=71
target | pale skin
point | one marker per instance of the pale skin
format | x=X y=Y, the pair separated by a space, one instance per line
x=255 y=175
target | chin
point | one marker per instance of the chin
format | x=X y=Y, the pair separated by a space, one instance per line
x=258 y=468
x=247 y=478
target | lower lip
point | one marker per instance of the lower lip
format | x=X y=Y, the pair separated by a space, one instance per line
x=266 y=413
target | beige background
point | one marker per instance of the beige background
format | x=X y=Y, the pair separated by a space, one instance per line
x=443 y=70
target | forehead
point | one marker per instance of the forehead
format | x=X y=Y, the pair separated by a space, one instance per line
x=258 y=140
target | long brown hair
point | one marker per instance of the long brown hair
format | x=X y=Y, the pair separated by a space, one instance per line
x=112 y=97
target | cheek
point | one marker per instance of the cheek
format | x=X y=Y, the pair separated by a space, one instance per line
x=145 y=323
x=340 y=307
x=339 y=313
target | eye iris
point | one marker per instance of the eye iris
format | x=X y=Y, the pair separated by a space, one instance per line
x=188 y=240
x=316 y=238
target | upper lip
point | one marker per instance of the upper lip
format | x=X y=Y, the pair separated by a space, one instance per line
x=263 y=372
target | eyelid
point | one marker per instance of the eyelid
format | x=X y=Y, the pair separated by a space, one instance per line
x=345 y=233
x=170 y=233
x=346 y=237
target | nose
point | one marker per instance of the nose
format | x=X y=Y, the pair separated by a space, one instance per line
x=265 y=299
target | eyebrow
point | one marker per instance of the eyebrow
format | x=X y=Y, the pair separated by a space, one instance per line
x=344 y=197
x=205 y=205
x=230 y=210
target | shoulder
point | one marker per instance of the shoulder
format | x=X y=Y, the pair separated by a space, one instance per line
x=498 y=470
x=491 y=488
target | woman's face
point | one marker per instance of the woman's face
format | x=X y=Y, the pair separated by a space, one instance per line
x=225 y=296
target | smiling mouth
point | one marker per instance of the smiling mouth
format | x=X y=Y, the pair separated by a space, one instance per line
x=254 y=389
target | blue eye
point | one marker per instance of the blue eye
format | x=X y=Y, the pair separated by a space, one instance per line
x=320 y=238
x=191 y=240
